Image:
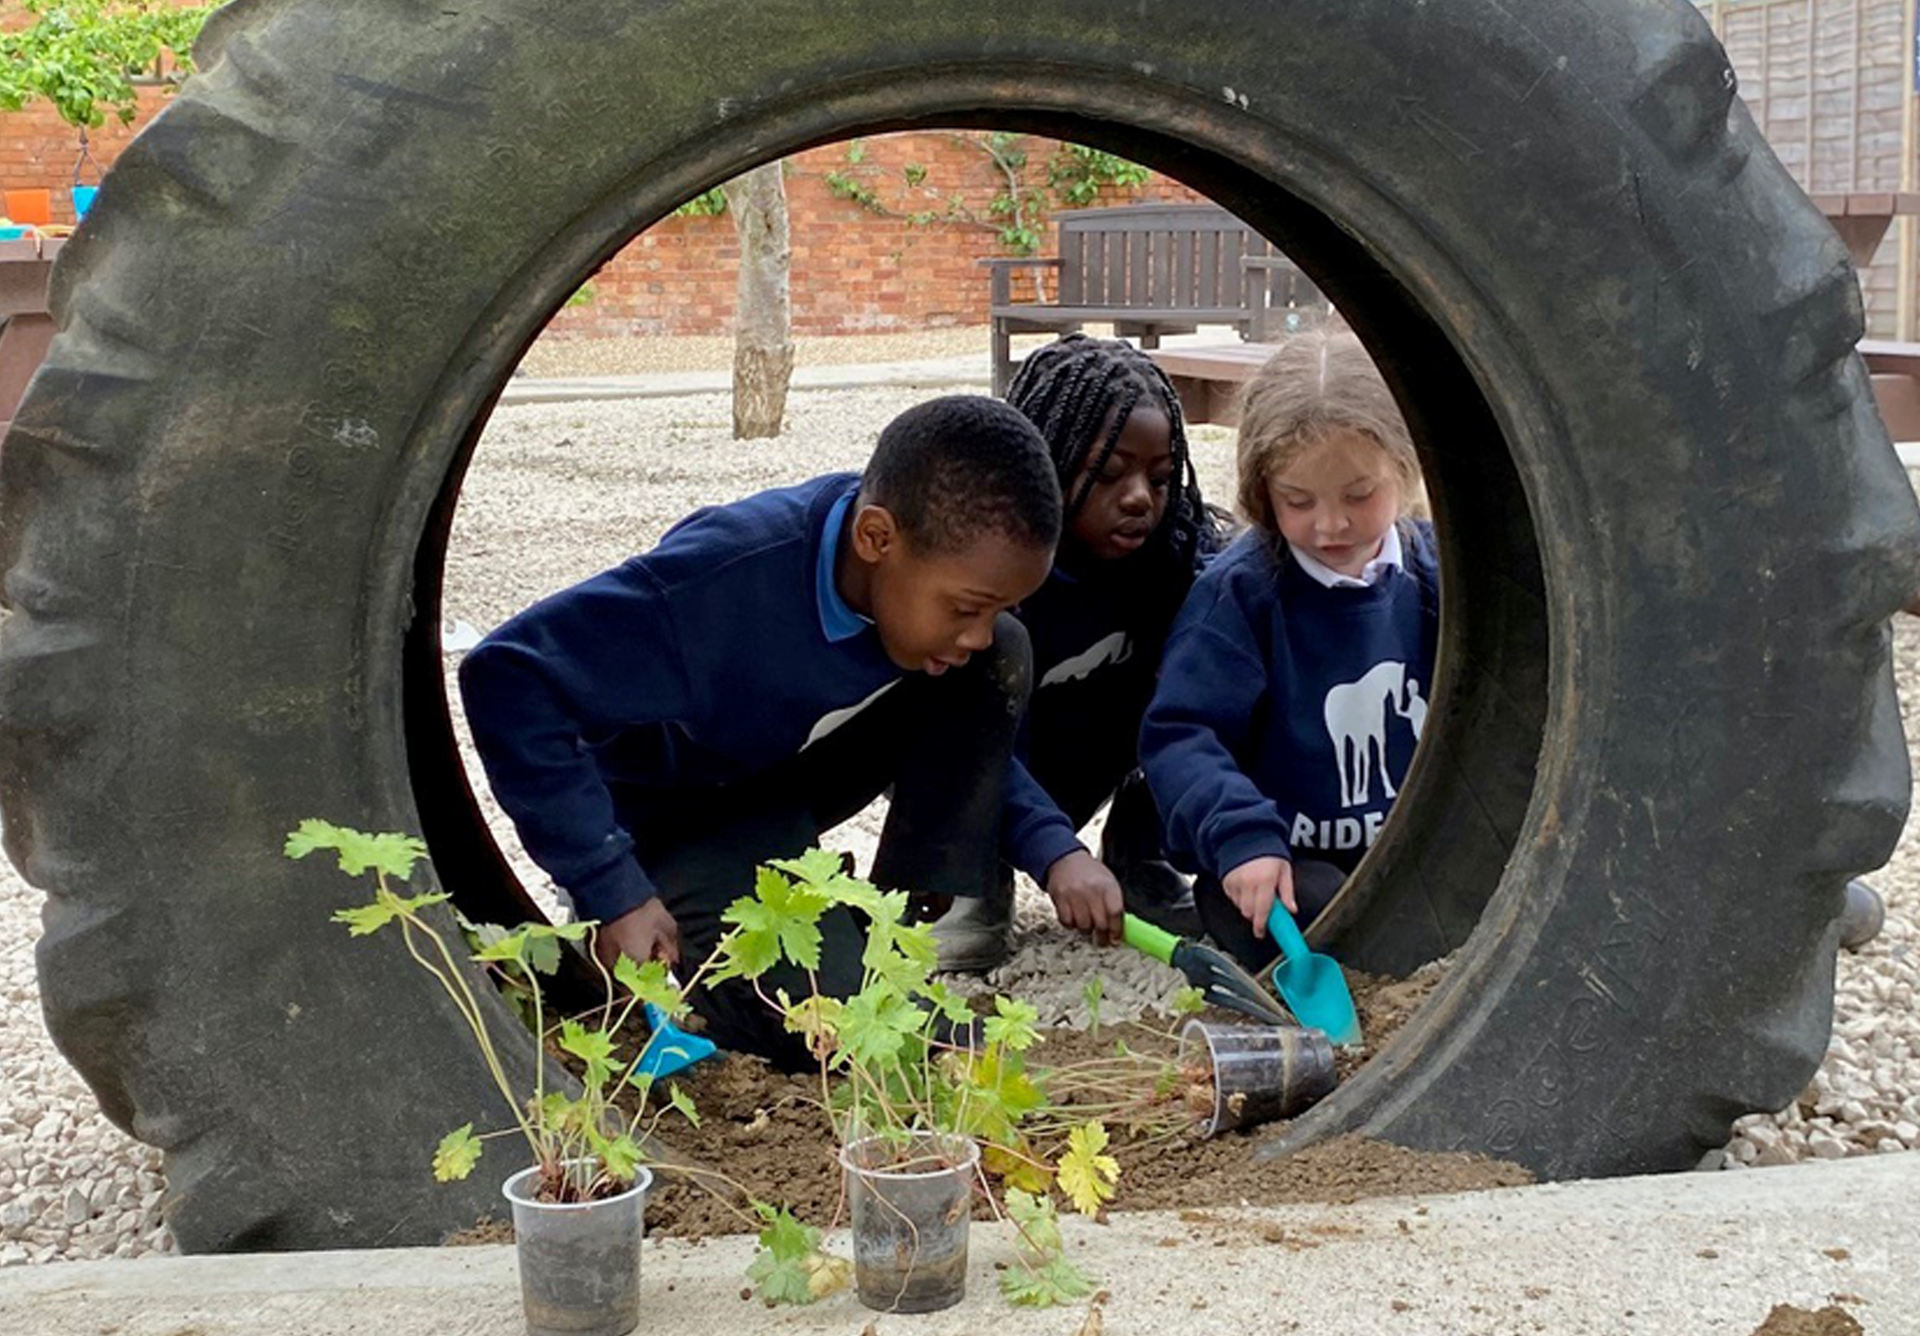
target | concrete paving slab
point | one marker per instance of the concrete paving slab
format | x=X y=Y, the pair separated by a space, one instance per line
x=1704 y=1252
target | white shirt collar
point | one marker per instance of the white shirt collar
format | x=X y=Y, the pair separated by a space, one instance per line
x=1390 y=559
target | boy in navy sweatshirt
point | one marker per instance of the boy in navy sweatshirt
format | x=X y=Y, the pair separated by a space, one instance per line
x=1294 y=687
x=764 y=673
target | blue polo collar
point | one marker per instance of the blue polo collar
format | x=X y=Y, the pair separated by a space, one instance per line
x=837 y=621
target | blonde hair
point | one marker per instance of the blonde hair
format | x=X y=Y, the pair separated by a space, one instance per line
x=1318 y=383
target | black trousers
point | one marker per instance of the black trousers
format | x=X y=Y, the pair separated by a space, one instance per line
x=939 y=744
x=1314 y=886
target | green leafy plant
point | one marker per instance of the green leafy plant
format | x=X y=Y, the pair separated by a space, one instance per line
x=790 y=1267
x=87 y=57
x=903 y=1055
x=1076 y=174
x=708 y=204
x=584 y=295
x=1092 y=993
x=1045 y=1276
x=584 y=1147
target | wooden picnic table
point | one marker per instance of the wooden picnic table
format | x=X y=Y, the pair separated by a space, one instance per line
x=1863 y=217
x=26 y=329
x=1208 y=380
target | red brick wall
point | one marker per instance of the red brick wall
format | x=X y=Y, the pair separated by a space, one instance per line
x=855 y=269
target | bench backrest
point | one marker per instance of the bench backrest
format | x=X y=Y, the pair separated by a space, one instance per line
x=1155 y=256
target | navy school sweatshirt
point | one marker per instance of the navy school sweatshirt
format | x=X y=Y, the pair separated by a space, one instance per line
x=1097 y=638
x=1287 y=712
x=704 y=661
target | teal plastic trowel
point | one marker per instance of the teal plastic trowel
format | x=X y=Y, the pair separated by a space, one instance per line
x=1311 y=984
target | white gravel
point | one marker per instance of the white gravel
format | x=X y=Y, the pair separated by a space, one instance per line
x=559 y=492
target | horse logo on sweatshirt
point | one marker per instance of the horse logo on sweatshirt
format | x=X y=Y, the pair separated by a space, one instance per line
x=1357 y=716
x=1112 y=649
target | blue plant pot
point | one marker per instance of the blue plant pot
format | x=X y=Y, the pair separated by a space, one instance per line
x=83 y=199
x=12 y=233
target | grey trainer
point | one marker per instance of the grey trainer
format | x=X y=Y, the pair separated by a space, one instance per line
x=976 y=934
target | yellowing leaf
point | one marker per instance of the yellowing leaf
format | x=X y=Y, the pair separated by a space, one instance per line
x=1087 y=1175
x=593 y=1047
x=459 y=1151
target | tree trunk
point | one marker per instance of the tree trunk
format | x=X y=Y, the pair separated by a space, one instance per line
x=762 y=323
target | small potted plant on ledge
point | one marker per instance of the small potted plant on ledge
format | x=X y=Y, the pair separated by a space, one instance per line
x=927 y=1099
x=579 y=1207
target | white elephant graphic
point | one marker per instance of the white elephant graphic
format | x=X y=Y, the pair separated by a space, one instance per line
x=1356 y=715
x=1116 y=649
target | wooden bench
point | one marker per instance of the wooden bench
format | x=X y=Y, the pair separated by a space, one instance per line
x=1149 y=270
x=26 y=329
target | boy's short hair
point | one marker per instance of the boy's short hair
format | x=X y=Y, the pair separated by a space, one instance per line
x=961 y=467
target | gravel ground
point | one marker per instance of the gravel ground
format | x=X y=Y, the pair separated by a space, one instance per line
x=559 y=492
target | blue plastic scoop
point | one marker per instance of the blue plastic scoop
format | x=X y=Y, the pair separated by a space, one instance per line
x=670 y=1049
x=1311 y=984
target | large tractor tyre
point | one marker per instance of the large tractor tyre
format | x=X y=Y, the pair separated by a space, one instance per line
x=1664 y=731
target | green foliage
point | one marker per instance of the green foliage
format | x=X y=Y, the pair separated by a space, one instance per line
x=901 y=1057
x=1042 y=1276
x=83 y=55
x=708 y=204
x=845 y=185
x=583 y=1146
x=584 y=295
x=459 y=1151
x=914 y=173
x=1093 y=992
x=389 y=855
x=1189 y=1002
x=789 y=1266
x=1077 y=173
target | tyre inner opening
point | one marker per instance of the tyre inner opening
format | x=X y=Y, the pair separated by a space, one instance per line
x=1420 y=892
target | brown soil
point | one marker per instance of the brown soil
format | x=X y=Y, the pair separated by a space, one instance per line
x=478 y=1233
x=1787 y=1320
x=766 y=1131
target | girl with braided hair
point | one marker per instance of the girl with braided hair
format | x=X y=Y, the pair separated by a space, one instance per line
x=1137 y=531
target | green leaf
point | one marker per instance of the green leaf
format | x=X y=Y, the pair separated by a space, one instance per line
x=362 y=920
x=1092 y=992
x=1087 y=1175
x=358 y=852
x=1057 y=1282
x=683 y=1102
x=783 y=1268
x=649 y=982
x=1039 y=1222
x=622 y=1157
x=948 y=1003
x=593 y=1047
x=1189 y=1002
x=459 y=1151
x=780 y=919
x=1014 y=1025
x=875 y=1024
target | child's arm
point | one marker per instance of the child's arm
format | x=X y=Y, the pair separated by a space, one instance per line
x=1212 y=681
x=1038 y=839
x=584 y=664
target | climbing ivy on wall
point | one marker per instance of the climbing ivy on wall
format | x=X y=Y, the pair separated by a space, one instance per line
x=1073 y=175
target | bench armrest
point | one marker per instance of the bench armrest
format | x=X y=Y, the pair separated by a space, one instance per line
x=1000 y=274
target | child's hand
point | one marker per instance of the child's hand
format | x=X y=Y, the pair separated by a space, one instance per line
x=1086 y=896
x=1255 y=885
x=646 y=933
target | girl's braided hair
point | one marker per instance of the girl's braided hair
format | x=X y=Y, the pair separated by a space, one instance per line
x=1068 y=388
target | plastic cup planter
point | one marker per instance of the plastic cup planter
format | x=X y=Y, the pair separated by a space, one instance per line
x=1260 y=1073
x=579 y=1261
x=912 y=1206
